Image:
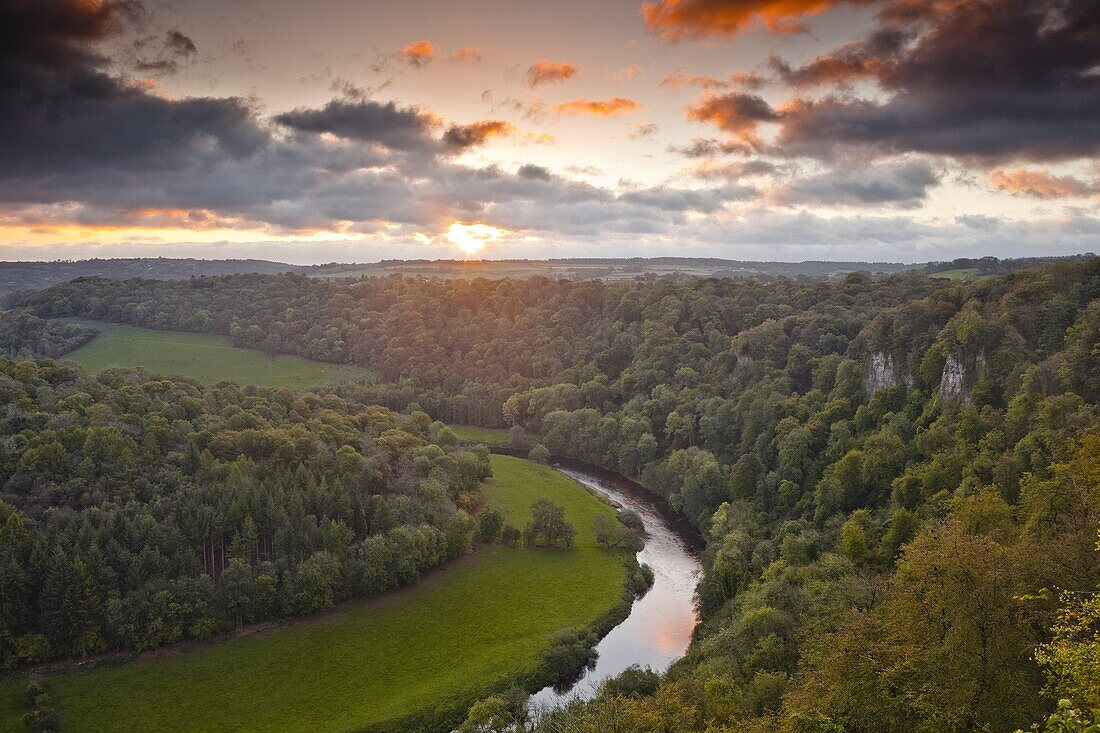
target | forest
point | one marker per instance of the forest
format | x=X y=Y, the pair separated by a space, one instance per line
x=141 y=513
x=898 y=478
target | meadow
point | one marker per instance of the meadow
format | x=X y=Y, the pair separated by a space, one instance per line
x=203 y=357
x=488 y=436
x=958 y=274
x=478 y=621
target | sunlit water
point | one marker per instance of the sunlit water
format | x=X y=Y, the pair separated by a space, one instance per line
x=659 y=627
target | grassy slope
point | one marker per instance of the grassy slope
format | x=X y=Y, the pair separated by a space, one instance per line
x=371 y=662
x=206 y=358
x=489 y=436
x=960 y=274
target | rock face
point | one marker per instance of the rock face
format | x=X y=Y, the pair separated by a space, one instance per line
x=953 y=381
x=883 y=373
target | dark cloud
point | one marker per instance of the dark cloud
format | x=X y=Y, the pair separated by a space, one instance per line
x=532 y=171
x=57 y=36
x=904 y=184
x=733 y=171
x=704 y=147
x=398 y=128
x=737 y=113
x=983 y=81
x=66 y=119
x=460 y=137
x=168 y=54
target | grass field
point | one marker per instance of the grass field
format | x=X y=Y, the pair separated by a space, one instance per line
x=369 y=662
x=206 y=358
x=489 y=436
x=960 y=273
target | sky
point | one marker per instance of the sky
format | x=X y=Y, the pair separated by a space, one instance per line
x=354 y=131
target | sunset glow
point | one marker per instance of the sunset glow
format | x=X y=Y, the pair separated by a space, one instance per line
x=773 y=129
x=472 y=238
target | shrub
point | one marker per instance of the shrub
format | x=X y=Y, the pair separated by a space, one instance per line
x=635 y=681
x=509 y=536
x=489 y=525
x=539 y=454
x=571 y=652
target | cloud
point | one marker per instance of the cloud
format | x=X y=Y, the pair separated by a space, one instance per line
x=397 y=128
x=983 y=81
x=549 y=72
x=477 y=133
x=737 y=79
x=737 y=113
x=1040 y=184
x=710 y=170
x=628 y=72
x=703 y=147
x=904 y=185
x=115 y=154
x=643 y=129
x=675 y=20
x=469 y=53
x=167 y=55
x=597 y=107
x=82 y=143
x=417 y=54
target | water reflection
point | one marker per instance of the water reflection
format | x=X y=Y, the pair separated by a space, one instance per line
x=659 y=627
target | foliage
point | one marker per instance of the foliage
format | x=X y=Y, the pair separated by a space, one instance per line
x=24 y=336
x=140 y=513
x=548 y=527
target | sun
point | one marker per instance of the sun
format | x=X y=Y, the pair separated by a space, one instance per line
x=471 y=238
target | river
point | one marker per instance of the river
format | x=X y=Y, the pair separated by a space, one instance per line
x=658 y=629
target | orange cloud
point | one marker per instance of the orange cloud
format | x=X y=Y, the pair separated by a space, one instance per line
x=736 y=113
x=682 y=78
x=477 y=133
x=597 y=107
x=628 y=72
x=549 y=72
x=675 y=20
x=470 y=53
x=417 y=54
x=1039 y=184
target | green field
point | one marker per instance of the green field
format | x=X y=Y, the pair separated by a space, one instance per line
x=961 y=273
x=207 y=358
x=489 y=436
x=369 y=662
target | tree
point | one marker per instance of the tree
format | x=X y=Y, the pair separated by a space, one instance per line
x=612 y=534
x=64 y=609
x=548 y=526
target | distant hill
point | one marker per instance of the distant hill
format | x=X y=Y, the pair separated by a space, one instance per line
x=602 y=268
x=26 y=276
x=20 y=276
